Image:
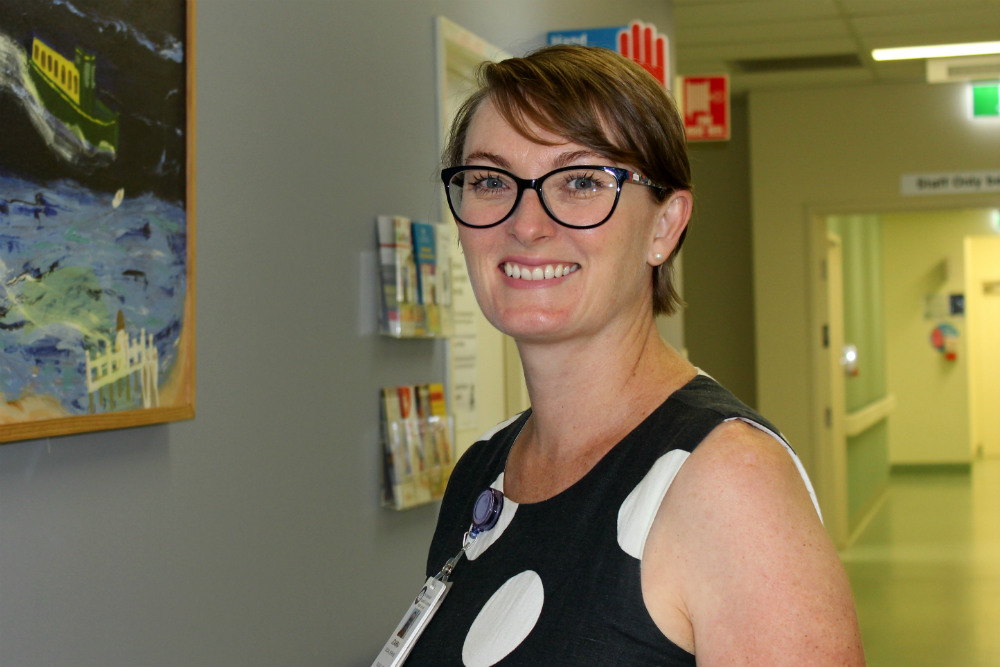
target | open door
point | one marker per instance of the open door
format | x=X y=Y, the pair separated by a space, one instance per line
x=833 y=450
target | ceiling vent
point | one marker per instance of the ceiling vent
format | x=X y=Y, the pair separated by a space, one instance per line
x=797 y=64
x=969 y=68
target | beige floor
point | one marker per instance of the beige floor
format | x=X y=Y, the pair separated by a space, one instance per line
x=926 y=571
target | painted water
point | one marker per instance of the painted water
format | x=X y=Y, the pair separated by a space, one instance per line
x=69 y=262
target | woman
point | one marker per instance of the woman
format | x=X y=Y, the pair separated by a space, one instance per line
x=649 y=517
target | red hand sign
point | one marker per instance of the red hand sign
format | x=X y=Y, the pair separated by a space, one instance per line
x=641 y=43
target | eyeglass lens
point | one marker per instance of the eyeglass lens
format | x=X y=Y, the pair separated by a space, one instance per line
x=577 y=196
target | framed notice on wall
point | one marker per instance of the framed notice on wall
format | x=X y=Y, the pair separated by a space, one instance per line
x=97 y=215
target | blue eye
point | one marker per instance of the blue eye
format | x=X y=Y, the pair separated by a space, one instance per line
x=586 y=183
x=489 y=183
x=582 y=183
x=486 y=185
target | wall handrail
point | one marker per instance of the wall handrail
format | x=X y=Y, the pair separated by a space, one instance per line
x=859 y=421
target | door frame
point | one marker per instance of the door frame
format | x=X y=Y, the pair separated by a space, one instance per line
x=831 y=486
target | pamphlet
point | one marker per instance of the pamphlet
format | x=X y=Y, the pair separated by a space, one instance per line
x=415 y=275
x=416 y=444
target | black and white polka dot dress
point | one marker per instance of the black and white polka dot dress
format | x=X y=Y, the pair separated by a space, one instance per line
x=558 y=582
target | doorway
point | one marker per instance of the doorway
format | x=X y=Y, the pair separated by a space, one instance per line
x=909 y=270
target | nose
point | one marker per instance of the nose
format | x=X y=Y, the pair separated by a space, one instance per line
x=530 y=222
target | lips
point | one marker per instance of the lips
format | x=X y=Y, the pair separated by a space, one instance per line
x=547 y=272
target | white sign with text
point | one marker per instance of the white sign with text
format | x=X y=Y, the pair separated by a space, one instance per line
x=950 y=183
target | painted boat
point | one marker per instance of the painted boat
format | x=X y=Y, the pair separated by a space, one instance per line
x=68 y=90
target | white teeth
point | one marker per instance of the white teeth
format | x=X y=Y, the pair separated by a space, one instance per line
x=548 y=272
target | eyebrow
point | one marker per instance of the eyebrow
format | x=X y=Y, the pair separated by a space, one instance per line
x=563 y=160
x=570 y=157
x=488 y=157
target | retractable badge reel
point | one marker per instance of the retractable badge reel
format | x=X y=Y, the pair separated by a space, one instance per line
x=485 y=514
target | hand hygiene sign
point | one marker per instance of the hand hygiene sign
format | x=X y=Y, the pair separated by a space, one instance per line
x=637 y=41
x=950 y=183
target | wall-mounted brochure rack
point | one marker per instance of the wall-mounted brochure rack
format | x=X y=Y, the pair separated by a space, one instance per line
x=417 y=448
x=415 y=277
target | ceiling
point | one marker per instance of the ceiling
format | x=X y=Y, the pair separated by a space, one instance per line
x=773 y=44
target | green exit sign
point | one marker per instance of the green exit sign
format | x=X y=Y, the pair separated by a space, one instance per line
x=986 y=100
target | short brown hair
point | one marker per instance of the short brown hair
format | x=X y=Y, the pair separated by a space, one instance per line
x=597 y=98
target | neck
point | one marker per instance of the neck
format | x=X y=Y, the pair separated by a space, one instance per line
x=586 y=395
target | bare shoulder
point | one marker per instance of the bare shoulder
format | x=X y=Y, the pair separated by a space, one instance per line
x=738 y=565
x=739 y=468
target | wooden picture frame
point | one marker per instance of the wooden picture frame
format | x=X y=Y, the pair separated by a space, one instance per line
x=97 y=216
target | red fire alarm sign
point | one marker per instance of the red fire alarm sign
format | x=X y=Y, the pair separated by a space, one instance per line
x=705 y=106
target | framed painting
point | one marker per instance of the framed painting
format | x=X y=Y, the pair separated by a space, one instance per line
x=97 y=215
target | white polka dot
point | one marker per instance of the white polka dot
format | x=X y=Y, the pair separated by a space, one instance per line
x=635 y=517
x=485 y=540
x=506 y=619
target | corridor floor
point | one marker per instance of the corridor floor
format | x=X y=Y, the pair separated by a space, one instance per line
x=926 y=571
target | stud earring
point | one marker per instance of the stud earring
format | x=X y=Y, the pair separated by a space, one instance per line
x=658 y=257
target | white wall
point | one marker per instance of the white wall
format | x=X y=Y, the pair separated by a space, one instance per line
x=837 y=150
x=253 y=535
x=982 y=273
x=924 y=253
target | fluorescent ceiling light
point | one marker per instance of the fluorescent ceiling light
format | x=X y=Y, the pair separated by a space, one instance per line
x=937 y=51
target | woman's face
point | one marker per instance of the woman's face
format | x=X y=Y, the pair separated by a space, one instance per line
x=604 y=283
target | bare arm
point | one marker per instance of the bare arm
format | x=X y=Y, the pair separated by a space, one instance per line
x=737 y=566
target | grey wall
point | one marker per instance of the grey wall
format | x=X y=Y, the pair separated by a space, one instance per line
x=718 y=261
x=252 y=534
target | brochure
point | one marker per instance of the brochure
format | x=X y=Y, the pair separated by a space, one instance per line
x=415 y=276
x=429 y=317
x=398 y=274
x=416 y=444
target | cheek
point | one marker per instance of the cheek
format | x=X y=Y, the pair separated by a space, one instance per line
x=471 y=246
x=625 y=261
x=474 y=248
x=627 y=249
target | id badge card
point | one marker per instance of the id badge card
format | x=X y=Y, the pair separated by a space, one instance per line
x=485 y=515
x=403 y=638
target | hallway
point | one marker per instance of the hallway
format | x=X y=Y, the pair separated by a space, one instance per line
x=926 y=571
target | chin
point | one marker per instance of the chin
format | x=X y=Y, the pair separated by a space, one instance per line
x=527 y=326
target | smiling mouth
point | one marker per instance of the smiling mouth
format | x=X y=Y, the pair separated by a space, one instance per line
x=547 y=272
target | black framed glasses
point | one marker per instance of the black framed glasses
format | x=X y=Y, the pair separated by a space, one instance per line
x=581 y=196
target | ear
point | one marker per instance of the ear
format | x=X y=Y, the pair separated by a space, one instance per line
x=671 y=220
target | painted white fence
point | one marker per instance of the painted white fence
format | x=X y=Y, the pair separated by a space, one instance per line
x=122 y=366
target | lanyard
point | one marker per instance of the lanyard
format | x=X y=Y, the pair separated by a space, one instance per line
x=485 y=514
